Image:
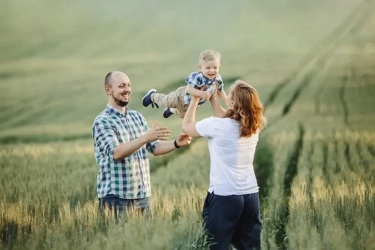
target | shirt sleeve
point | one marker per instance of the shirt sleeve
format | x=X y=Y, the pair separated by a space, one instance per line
x=206 y=127
x=195 y=80
x=104 y=134
x=220 y=83
x=150 y=146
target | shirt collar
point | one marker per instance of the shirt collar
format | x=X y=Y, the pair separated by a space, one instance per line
x=111 y=110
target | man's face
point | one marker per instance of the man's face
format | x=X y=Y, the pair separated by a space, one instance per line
x=210 y=69
x=120 y=89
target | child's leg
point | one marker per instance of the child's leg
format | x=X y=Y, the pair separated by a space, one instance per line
x=171 y=100
x=182 y=110
x=181 y=106
x=180 y=113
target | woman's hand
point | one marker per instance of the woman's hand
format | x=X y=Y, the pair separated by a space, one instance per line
x=216 y=107
x=214 y=95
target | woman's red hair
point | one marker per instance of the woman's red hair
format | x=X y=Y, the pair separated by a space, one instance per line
x=247 y=108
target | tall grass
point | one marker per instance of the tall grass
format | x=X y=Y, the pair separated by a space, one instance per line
x=61 y=212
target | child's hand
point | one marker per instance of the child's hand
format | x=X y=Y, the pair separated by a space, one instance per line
x=205 y=95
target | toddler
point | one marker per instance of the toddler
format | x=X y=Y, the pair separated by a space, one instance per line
x=201 y=83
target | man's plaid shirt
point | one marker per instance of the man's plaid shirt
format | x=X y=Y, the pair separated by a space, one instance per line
x=197 y=80
x=128 y=178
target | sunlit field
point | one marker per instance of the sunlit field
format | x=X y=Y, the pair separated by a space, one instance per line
x=312 y=62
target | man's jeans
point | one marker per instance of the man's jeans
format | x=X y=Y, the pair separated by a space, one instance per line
x=121 y=207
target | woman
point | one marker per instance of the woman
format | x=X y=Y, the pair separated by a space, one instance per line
x=231 y=208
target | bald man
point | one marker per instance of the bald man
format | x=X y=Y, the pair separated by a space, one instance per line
x=121 y=138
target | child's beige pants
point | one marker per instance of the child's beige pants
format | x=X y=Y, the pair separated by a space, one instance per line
x=175 y=99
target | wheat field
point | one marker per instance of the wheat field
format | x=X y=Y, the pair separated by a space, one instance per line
x=312 y=62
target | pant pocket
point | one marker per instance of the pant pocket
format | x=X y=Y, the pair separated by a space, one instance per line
x=208 y=199
x=206 y=206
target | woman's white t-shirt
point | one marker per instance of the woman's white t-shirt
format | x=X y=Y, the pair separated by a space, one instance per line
x=232 y=171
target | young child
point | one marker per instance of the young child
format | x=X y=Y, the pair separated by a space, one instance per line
x=201 y=83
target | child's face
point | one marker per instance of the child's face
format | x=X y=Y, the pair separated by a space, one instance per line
x=210 y=69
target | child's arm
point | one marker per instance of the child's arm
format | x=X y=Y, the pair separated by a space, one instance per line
x=194 y=84
x=197 y=92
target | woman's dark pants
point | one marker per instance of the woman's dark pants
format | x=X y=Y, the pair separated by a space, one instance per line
x=233 y=219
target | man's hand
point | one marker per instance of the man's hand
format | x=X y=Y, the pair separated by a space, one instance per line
x=157 y=133
x=183 y=140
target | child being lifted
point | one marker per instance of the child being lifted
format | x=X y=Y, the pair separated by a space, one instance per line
x=201 y=83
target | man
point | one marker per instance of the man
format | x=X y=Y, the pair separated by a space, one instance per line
x=121 y=141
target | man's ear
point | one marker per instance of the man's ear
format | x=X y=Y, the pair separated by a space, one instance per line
x=199 y=66
x=107 y=89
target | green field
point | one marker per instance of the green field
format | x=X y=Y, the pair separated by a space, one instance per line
x=312 y=62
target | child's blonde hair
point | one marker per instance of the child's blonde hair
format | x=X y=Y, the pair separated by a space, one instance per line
x=209 y=55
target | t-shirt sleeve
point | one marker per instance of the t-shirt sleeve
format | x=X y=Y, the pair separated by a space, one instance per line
x=207 y=127
x=195 y=80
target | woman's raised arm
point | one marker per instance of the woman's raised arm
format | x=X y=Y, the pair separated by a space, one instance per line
x=217 y=108
x=188 y=123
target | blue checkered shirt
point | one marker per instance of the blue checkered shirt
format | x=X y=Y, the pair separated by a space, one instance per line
x=128 y=178
x=198 y=80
